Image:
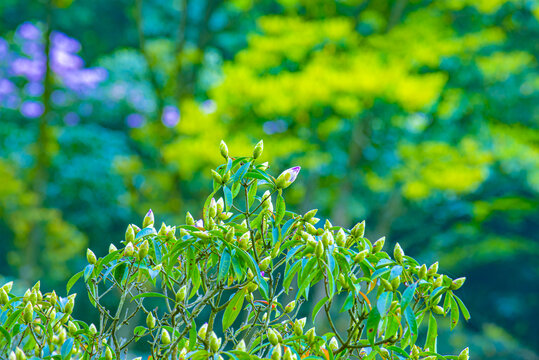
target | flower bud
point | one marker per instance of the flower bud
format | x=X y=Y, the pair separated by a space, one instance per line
x=189 y=220
x=108 y=354
x=129 y=234
x=215 y=342
x=438 y=310
x=415 y=351
x=4 y=298
x=333 y=344
x=92 y=329
x=398 y=254
x=71 y=327
x=361 y=256
x=310 y=229
x=171 y=233
x=148 y=219
x=310 y=214
x=216 y=177
x=433 y=269
x=311 y=334
x=150 y=321
x=181 y=294
x=276 y=354
x=241 y=346
x=165 y=337
x=386 y=284
x=143 y=250
x=90 y=256
x=290 y=307
x=258 y=149
x=464 y=354
x=457 y=283
x=287 y=354
x=12 y=356
x=422 y=273
x=20 y=354
x=223 y=149
x=358 y=230
x=438 y=282
x=395 y=283
x=28 y=313
x=340 y=239
x=112 y=248
x=266 y=198
x=202 y=331
x=287 y=177
x=129 y=249
x=378 y=245
x=162 y=230
x=272 y=337
x=7 y=287
x=327 y=238
x=264 y=264
x=319 y=250
x=69 y=306
x=298 y=327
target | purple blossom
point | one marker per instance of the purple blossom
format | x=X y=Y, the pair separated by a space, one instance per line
x=59 y=97
x=32 y=109
x=83 y=79
x=11 y=101
x=34 y=88
x=275 y=127
x=34 y=50
x=262 y=273
x=171 y=116
x=33 y=70
x=62 y=61
x=71 y=119
x=134 y=120
x=28 y=31
x=6 y=87
x=65 y=43
x=3 y=46
x=208 y=107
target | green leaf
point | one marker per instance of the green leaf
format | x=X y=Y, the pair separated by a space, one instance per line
x=398 y=350
x=408 y=295
x=454 y=313
x=280 y=209
x=318 y=306
x=372 y=324
x=224 y=265
x=412 y=323
x=193 y=335
x=88 y=271
x=66 y=348
x=233 y=309
x=228 y=197
x=432 y=334
x=238 y=176
x=6 y=335
x=140 y=331
x=348 y=303
x=463 y=308
x=262 y=284
x=12 y=318
x=145 y=232
x=148 y=294
x=289 y=275
x=73 y=280
x=384 y=302
x=252 y=193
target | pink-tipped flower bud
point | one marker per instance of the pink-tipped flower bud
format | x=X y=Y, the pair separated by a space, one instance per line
x=130 y=234
x=358 y=230
x=148 y=219
x=287 y=177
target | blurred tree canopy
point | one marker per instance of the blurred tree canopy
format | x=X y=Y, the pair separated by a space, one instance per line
x=419 y=116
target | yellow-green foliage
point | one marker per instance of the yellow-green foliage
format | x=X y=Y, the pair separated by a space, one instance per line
x=19 y=207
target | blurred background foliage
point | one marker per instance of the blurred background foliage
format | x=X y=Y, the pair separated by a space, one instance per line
x=419 y=116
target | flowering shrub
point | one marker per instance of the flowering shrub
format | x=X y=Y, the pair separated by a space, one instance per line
x=232 y=285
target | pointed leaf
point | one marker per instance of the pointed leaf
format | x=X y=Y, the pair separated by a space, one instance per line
x=233 y=309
